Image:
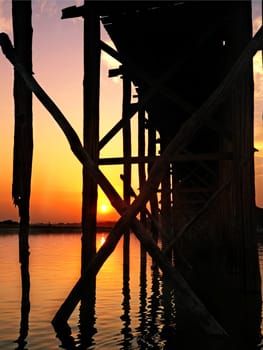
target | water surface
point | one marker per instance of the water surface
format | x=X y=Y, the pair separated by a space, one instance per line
x=129 y=312
x=54 y=269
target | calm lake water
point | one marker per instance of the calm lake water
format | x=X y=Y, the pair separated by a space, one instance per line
x=54 y=269
x=128 y=314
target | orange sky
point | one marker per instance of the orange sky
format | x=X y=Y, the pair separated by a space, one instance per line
x=58 y=67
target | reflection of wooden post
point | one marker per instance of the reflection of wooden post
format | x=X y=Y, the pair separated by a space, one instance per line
x=23 y=147
x=91 y=136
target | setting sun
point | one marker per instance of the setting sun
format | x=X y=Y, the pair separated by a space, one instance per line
x=104 y=208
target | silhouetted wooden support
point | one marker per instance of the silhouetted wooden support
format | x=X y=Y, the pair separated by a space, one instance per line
x=178 y=157
x=237 y=237
x=153 y=200
x=126 y=136
x=91 y=94
x=142 y=179
x=191 y=303
x=175 y=203
x=23 y=148
x=166 y=210
x=154 y=86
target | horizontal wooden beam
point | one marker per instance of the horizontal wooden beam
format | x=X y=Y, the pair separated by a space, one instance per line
x=176 y=158
x=114 y=72
x=107 y=8
x=72 y=12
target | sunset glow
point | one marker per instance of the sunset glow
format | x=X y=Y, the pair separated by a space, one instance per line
x=102 y=240
x=103 y=208
x=56 y=191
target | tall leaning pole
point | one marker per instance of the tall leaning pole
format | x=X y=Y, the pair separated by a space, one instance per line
x=23 y=146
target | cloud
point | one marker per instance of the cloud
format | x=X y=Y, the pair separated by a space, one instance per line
x=258 y=75
x=5 y=17
x=48 y=7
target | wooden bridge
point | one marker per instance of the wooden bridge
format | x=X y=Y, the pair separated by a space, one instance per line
x=191 y=64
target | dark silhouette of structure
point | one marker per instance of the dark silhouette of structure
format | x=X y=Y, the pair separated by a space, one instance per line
x=191 y=63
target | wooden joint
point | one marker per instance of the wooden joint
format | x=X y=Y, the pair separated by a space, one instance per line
x=72 y=12
x=115 y=72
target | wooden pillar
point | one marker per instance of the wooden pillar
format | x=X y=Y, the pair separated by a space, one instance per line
x=91 y=88
x=236 y=205
x=127 y=151
x=174 y=211
x=239 y=201
x=127 y=166
x=142 y=179
x=154 y=199
x=23 y=147
x=166 y=210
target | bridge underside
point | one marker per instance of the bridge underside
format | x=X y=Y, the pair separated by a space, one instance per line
x=183 y=51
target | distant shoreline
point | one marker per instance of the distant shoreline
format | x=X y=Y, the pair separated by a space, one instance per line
x=13 y=227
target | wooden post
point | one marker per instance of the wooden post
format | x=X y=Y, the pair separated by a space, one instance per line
x=154 y=199
x=239 y=240
x=23 y=147
x=126 y=132
x=142 y=179
x=91 y=88
x=166 y=210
